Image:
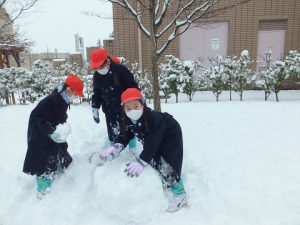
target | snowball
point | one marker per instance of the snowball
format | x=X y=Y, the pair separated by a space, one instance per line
x=123 y=196
x=63 y=130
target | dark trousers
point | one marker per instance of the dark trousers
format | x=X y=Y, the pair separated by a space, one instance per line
x=113 y=122
x=168 y=174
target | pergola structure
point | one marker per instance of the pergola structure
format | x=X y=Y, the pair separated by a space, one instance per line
x=9 y=50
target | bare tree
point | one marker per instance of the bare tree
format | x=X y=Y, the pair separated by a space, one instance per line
x=8 y=34
x=166 y=17
x=16 y=7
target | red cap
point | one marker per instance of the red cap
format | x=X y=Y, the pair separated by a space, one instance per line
x=115 y=59
x=98 y=57
x=75 y=84
x=130 y=94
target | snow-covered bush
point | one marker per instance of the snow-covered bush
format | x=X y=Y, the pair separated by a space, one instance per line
x=88 y=86
x=171 y=76
x=243 y=75
x=264 y=79
x=215 y=77
x=230 y=66
x=280 y=73
x=5 y=82
x=292 y=61
x=142 y=78
x=191 y=81
x=45 y=80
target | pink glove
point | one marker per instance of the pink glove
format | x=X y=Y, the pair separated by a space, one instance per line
x=135 y=168
x=111 y=152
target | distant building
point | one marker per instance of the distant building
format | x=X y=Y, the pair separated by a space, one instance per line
x=56 y=58
x=79 y=46
x=76 y=58
x=89 y=50
x=108 y=44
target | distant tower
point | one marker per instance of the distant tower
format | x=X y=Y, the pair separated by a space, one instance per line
x=79 y=46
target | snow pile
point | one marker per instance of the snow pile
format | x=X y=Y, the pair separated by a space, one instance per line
x=137 y=198
x=63 y=130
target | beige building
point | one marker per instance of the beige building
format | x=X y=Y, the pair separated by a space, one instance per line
x=57 y=58
x=258 y=26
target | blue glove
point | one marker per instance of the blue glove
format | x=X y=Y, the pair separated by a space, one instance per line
x=56 y=138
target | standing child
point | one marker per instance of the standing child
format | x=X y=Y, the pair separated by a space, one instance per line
x=161 y=137
x=109 y=81
x=47 y=152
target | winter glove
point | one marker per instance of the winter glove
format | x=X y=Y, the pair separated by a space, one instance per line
x=95 y=112
x=135 y=168
x=111 y=152
x=56 y=138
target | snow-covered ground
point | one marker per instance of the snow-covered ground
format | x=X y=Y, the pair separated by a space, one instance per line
x=241 y=167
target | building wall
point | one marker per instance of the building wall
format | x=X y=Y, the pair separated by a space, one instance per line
x=89 y=50
x=243 y=30
x=108 y=44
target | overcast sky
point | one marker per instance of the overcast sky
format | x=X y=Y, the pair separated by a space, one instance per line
x=52 y=24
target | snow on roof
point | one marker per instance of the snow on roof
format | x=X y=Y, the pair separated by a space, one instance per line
x=73 y=53
x=59 y=60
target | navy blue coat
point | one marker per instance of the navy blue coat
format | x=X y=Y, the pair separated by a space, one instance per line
x=43 y=154
x=107 y=93
x=160 y=135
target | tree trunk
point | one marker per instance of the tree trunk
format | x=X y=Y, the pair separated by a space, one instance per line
x=277 y=99
x=154 y=58
x=266 y=96
x=177 y=98
x=241 y=95
x=7 y=99
x=230 y=89
x=13 y=98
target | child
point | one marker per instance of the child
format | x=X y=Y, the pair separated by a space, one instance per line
x=47 y=152
x=110 y=79
x=161 y=137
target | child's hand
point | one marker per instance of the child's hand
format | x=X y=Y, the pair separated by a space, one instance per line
x=135 y=168
x=111 y=152
x=96 y=115
x=56 y=138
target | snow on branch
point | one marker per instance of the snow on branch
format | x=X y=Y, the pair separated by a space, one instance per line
x=17 y=7
x=125 y=4
x=158 y=21
x=201 y=7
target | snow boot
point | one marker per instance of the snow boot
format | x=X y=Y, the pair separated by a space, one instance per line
x=177 y=197
x=43 y=186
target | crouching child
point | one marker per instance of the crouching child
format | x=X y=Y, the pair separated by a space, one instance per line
x=47 y=153
x=161 y=137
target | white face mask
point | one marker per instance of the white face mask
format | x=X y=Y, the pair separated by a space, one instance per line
x=72 y=98
x=135 y=114
x=103 y=71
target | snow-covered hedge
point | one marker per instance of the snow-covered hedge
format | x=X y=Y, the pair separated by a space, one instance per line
x=226 y=73
x=28 y=85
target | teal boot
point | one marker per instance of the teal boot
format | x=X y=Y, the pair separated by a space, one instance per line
x=177 y=197
x=43 y=186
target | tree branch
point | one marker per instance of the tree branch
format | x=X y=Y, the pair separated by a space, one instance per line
x=125 y=4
